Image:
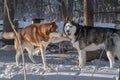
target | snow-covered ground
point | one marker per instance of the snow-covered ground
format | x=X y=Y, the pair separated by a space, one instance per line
x=62 y=65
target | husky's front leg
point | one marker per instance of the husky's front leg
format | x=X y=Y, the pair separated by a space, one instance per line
x=110 y=56
x=82 y=58
x=81 y=54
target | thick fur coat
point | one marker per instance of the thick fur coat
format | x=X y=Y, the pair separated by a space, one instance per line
x=89 y=38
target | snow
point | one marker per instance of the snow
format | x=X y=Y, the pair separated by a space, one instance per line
x=24 y=23
x=109 y=25
x=62 y=65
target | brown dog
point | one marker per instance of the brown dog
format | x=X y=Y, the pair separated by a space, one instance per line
x=36 y=34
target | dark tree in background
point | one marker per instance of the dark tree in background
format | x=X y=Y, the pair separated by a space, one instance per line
x=64 y=9
x=70 y=9
x=6 y=24
x=67 y=7
x=104 y=10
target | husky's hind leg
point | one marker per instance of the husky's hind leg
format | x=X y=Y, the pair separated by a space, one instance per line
x=110 y=56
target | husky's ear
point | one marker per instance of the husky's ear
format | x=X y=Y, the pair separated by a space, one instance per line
x=66 y=19
x=74 y=20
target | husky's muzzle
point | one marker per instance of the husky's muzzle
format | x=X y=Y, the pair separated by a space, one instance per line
x=68 y=33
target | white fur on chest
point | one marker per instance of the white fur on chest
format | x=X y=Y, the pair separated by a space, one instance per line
x=94 y=47
x=91 y=47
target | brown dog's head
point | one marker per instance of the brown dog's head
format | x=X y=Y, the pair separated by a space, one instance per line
x=53 y=26
x=48 y=27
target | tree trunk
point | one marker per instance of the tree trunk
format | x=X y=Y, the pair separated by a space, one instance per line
x=70 y=9
x=88 y=12
x=6 y=24
x=67 y=7
x=64 y=9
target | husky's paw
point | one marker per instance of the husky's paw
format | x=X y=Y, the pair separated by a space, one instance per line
x=19 y=65
x=46 y=67
x=81 y=65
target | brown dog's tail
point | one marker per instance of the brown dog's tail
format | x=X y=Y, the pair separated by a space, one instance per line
x=8 y=35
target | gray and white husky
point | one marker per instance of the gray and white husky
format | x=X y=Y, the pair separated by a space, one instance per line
x=88 y=38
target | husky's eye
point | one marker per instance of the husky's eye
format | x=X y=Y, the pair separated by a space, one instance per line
x=70 y=26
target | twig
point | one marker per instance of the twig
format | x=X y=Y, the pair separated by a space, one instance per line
x=119 y=74
x=16 y=34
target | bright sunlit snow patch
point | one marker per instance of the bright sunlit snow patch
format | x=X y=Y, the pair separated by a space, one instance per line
x=109 y=25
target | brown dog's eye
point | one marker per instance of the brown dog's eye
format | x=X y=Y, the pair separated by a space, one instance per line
x=57 y=30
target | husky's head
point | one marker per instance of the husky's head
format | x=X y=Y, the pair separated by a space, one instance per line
x=69 y=29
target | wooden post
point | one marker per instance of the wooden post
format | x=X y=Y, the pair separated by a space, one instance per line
x=89 y=21
x=88 y=12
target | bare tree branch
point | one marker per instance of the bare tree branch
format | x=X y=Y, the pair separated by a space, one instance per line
x=13 y=27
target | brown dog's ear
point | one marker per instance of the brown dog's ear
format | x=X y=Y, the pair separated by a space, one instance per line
x=53 y=26
x=54 y=20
